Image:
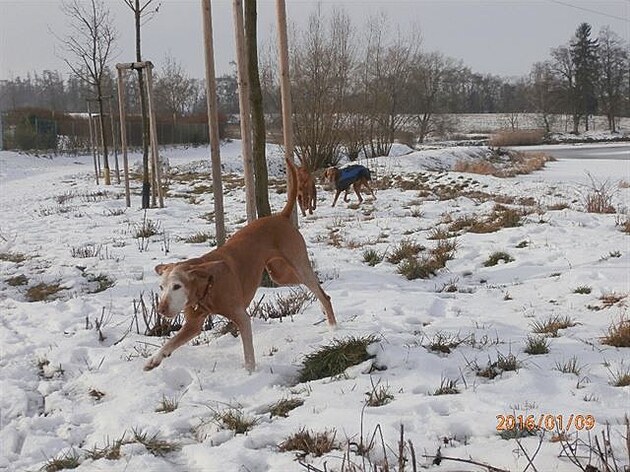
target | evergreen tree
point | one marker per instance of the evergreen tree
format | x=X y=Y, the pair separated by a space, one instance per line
x=584 y=56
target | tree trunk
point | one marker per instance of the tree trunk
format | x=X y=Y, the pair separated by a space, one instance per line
x=245 y=113
x=258 y=116
x=146 y=184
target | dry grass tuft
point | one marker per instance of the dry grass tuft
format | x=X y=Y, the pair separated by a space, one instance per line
x=406 y=249
x=599 y=196
x=305 y=442
x=15 y=257
x=284 y=406
x=284 y=305
x=610 y=299
x=537 y=345
x=334 y=359
x=447 y=387
x=517 y=138
x=551 y=325
x=496 y=257
x=43 y=292
x=234 y=420
x=618 y=334
x=504 y=164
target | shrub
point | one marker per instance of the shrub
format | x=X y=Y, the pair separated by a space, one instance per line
x=335 y=358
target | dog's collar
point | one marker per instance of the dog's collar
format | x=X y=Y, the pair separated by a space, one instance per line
x=199 y=303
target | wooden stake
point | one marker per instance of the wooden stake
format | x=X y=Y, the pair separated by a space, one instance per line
x=123 y=135
x=213 y=123
x=285 y=88
x=92 y=142
x=154 y=142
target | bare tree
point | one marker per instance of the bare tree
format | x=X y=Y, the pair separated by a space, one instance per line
x=175 y=91
x=322 y=65
x=89 y=46
x=143 y=11
x=564 y=70
x=386 y=72
x=613 y=70
x=427 y=85
x=542 y=93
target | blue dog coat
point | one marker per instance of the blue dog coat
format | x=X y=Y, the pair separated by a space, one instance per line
x=349 y=175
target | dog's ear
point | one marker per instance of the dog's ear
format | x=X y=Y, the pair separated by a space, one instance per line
x=161 y=268
x=204 y=276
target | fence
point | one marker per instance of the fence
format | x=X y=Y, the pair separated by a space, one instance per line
x=46 y=130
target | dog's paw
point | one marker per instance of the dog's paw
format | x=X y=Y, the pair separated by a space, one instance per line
x=153 y=363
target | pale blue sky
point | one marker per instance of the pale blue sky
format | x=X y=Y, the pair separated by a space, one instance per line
x=503 y=37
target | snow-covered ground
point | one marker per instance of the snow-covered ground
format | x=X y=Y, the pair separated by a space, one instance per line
x=65 y=390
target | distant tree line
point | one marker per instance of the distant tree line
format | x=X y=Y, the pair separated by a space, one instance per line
x=354 y=90
x=38 y=105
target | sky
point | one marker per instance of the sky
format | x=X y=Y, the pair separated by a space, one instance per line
x=501 y=37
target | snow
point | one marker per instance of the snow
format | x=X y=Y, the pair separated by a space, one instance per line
x=52 y=357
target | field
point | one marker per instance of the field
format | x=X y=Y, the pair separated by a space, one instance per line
x=488 y=300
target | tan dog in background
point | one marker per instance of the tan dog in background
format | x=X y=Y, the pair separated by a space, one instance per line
x=225 y=280
x=307 y=193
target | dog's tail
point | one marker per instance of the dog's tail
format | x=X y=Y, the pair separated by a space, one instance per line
x=292 y=188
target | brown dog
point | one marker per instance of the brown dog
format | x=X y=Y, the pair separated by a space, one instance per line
x=225 y=280
x=307 y=193
x=355 y=175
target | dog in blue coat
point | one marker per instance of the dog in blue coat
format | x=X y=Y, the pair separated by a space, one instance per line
x=354 y=175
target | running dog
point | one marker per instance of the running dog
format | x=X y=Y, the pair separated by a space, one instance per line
x=307 y=193
x=356 y=175
x=225 y=280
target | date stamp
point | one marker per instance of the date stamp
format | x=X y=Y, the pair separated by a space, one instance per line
x=545 y=421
